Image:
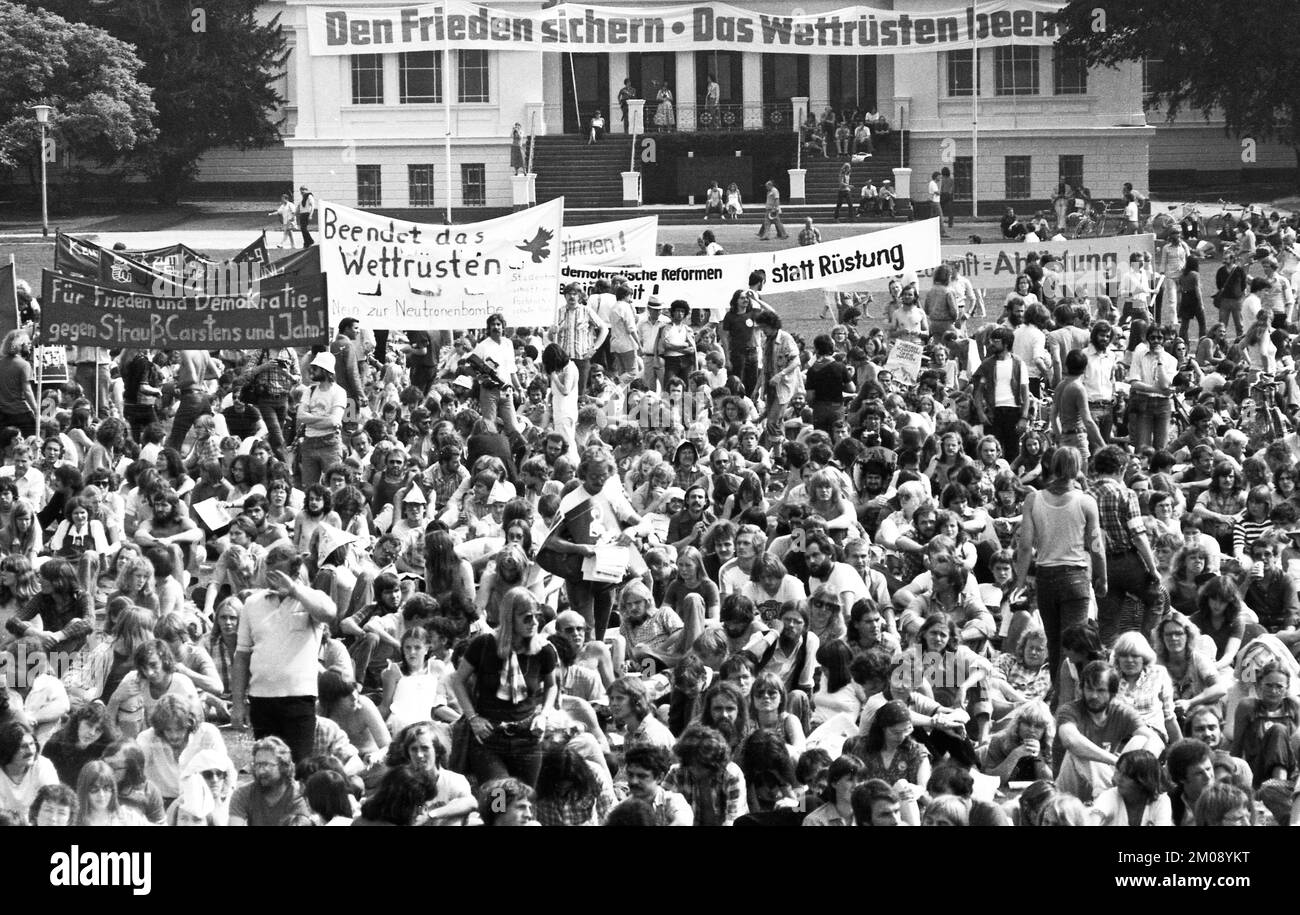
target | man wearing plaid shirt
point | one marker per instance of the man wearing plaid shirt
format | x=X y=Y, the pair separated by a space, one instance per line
x=1130 y=563
x=579 y=331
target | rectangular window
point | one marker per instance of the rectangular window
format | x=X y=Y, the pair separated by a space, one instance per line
x=961 y=178
x=419 y=180
x=960 y=77
x=367 y=79
x=1017 y=177
x=1071 y=172
x=369 y=193
x=1016 y=69
x=1152 y=68
x=1069 y=74
x=472 y=76
x=473 y=183
x=421 y=76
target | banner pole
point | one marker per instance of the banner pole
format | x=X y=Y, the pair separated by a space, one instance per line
x=447 y=75
x=39 y=393
x=573 y=78
x=974 y=112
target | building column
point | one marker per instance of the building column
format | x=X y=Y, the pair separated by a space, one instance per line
x=752 y=89
x=617 y=73
x=684 y=90
x=819 y=81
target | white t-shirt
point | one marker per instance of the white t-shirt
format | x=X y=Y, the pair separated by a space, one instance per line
x=501 y=354
x=843 y=578
x=791 y=589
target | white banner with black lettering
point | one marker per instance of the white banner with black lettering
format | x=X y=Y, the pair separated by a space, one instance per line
x=623 y=241
x=397 y=275
x=709 y=282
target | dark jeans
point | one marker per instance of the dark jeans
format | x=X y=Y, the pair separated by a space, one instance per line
x=516 y=752
x=843 y=199
x=1063 y=596
x=304 y=226
x=275 y=413
x=826 y=415
x=745 y=367
x=193 y=404
x=138 y=416
x=94 y=380
x=1004 y=423
x=316 y=455
x=1126 y=575
x=679 y=367
x=291 y=718
x=594 y=600
x=23 y=422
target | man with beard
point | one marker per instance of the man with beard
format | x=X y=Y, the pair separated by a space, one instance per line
x=268 y=532
x=687 y=527
x=320 y=419
x=169 y=527
x=1093 y=732
x=272 y=797
x=645 y=768
x=823 y=571
x=280 y=632
x=655 y=638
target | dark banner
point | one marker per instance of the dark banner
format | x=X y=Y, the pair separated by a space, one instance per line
x=173 y=271
x=74 y=257
x=8 y=299
x=283 y=311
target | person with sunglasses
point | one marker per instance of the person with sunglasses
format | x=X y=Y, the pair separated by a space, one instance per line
x=506 y=684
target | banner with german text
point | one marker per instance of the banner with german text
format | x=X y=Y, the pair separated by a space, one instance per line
x=284 y=311
x=623 y=241
x=339 y=29
x=391 y=274
x=709 y=282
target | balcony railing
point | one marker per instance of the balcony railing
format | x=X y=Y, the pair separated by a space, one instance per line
x=691 y=117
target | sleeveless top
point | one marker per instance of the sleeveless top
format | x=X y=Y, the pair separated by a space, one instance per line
x=1059 y=531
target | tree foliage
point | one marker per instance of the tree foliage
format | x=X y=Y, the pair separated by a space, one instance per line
x=89 y=78
x=1239 y=60
x=213 y=69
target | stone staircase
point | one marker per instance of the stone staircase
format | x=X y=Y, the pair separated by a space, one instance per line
x=585 y=176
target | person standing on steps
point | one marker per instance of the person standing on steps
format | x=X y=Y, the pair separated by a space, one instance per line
x=306 y=213
x=772 y=214
x=627 y=92
x=517 y=145
x=844 y=193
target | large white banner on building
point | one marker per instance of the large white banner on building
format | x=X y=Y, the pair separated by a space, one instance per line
x=397 y=275
x=343 y=29
x=624 y=241
x=709 y=282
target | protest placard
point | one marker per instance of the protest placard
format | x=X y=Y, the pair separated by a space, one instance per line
x=281 y=311
x=623 y=241
x=394 y=275
x=905 y=361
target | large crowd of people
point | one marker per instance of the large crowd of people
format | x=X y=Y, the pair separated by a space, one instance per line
x=676 y=567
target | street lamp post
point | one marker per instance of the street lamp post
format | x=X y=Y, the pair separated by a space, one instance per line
x=43 y=118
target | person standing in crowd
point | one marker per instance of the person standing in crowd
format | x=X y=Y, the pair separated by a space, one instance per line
x=18 y=407
x=195 y=369
x=320 y=419
x=1061 y=532
x=273 y=684
x=579 y=331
